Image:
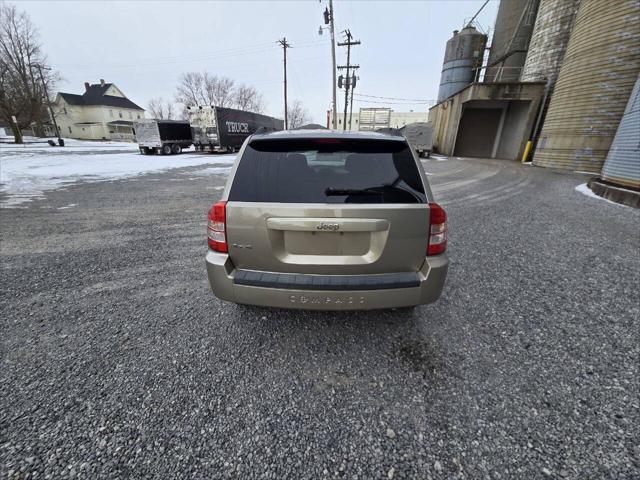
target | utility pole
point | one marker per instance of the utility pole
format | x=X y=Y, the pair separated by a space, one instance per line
x=285 y=45
x=46 y=95
x=333 y=69
x=352 y=86
x=329 y=20
x=348 y=67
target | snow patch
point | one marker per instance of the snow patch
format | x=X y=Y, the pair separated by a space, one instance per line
x=585 y=190
x=205 y=172
x=28 y=171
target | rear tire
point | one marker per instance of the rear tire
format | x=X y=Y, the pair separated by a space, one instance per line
x=166 y=149
x=149 y=151
x=176 y=149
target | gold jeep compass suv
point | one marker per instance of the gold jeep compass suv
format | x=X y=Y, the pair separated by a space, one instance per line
x=327 y=220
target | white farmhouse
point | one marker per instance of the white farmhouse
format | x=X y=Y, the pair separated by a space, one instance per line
x=102 y=112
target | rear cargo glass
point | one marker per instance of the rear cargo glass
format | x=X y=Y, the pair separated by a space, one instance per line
x=327 y=170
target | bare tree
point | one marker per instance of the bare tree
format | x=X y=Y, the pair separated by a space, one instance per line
x=21 y=60
x=248 y=98
x=161 y=109
x=191 y=90
x=297 y=115
x=219 y=90
x=197 y=88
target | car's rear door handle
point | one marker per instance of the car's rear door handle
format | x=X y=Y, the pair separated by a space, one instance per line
x=328 y=224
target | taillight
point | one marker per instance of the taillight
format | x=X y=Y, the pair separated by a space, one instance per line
x=437 y=230
x=217 y=227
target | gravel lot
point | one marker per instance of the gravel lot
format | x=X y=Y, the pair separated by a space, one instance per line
x=118 y=362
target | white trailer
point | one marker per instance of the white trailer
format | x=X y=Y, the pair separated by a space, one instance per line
x=373 y=119
x=420 y=137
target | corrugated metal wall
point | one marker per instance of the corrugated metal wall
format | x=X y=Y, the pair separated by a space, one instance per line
x=514 y=25
x=623 y=162
x=599 y=70
x=549 y=40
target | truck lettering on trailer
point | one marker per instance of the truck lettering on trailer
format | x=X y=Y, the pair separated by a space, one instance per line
x=237 y=127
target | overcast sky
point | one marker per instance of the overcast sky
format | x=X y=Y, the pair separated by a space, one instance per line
x=144 y=46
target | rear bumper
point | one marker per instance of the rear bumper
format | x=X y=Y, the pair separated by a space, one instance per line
x=426 y=288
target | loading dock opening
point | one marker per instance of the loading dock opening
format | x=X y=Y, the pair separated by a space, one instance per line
x=487 y=120
x=477 y=132
x=491 y=129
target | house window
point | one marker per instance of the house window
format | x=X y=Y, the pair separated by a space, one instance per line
x=120 y=114
x=111 y=113
x=65 y=110
x=130 y=115
x=138 y=116
x=70 y=130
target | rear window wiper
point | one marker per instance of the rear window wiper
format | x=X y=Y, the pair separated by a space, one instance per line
x=356 y=191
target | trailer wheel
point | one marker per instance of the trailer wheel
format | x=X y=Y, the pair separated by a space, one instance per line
x=148 y=151
x=166 y=149
x=176 y=149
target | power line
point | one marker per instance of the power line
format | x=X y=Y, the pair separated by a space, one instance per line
x=382 y=102
x=394 y=98
x=216 y=54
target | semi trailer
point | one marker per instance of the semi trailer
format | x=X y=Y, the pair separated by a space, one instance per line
x=420 y=137
x=162 y=136
x=220 y=129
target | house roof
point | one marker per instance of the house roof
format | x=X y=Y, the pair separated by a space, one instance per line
x=95 y=95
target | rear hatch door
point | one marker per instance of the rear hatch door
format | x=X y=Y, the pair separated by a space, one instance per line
x=328 y=206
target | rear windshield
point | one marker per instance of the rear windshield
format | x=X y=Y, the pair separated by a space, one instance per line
x=327 y=171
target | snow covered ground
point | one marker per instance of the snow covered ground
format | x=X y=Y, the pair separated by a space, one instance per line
x=585 y=190
x=28 y=171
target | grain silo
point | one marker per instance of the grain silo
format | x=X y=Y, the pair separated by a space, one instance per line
x=549 y=40
x=510 y=41
x=622 y=166
x=596 y=78
x=462 y=57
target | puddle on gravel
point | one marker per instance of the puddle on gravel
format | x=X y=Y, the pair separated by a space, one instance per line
x=424 y=356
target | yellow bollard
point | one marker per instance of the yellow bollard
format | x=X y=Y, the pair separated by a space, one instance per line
x=527 y=150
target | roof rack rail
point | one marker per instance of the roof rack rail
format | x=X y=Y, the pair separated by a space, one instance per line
x=311 y=126
x=397 y=132
x=264 y=130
